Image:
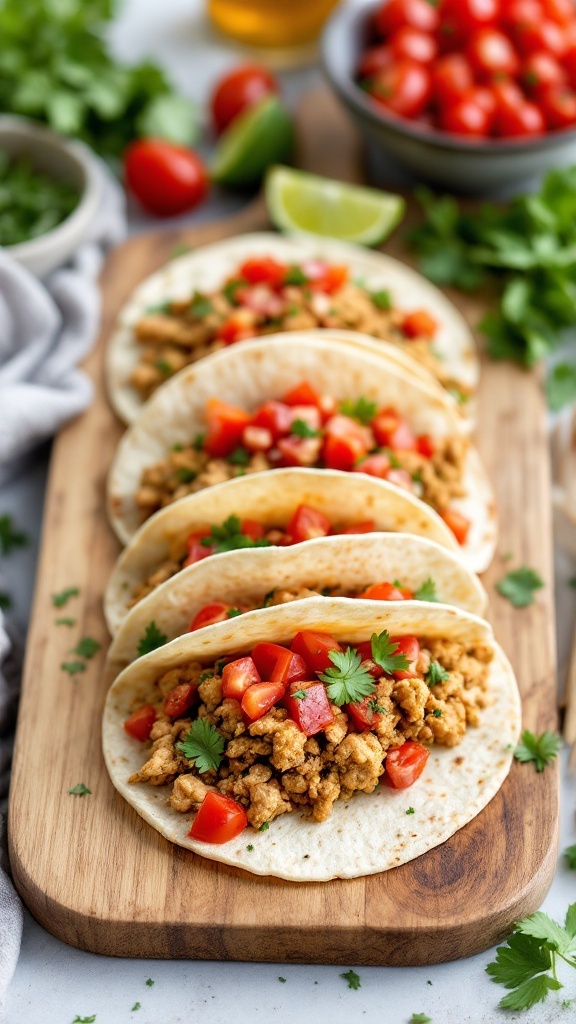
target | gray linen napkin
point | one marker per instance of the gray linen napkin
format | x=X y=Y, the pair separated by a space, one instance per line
x=46 y=329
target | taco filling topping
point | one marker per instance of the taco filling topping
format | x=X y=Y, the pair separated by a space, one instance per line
x=264 y=297
x=253 y=737
x=308 y=429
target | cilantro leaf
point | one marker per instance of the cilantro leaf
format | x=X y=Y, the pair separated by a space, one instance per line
x=84 y=1020
x=295 y=276
x=65 y=620
x=87 y=647
x=381 y=299
x=233 y=612
x=352 y=978
x=151 y=640
x=239 y=457
x=519 y=585
x=283 y=980
x=80 y=790
x=561 y=386
x=410 y=810
x=540 y=926
x=299 y=695
x=540 y=749
x=570 y=854
x=435 y=674
x=136 y=1006
x=73 y=667
x=200 y=306
x=383 y=649
x=426 y=591
x=203 y=745
x=164 y=367
x=264 y=826
x=302 y=429
x=347 y=681
x=519 y=960
x=59 y=600
x=229 y=537
x=10 y=537
x=362 y=409
x=149 y=982
x=186 y=475
x=420 y=1018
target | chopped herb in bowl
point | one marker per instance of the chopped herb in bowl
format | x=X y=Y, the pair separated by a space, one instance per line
x=31 y=201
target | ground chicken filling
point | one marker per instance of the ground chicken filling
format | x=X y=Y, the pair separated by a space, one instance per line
x=174 y=334
x=270 y=766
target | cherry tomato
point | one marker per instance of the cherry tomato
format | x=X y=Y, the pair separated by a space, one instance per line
x=165 y=178
x=237 y=676
x=345 y=442
x=210 y=614
x=263 y=270
x=180 y=700
x=271 y=663
x=314 y=649
x=307 y=523
x=405 y=764
x=540 y=36
x=525 y=120
x=219 y=819
x=239 y=90
x=411 y=44
x=373 y=60
x=466 y=117
x=140 y=723
x=311 y=713
x=386 y=592
x=559 y=108
x=409 y=646
x=226 y=425
x=517 y=14
x=461 y=17
x=394 y=14
x=540 y=72
x=508 y=97
x=561 y=11
x=569 y=63
x=490 y=53
x=458 y=523
x=260 y=697
x=419 y=324
x=451 y=78
x=404 y=88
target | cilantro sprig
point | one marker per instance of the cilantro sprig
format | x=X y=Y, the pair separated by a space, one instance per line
x=59 y=600
x=384 y=653
x=518 y=586
x=302 y=429
x=426 y=591
x=352 y=978
x=80 y=790
x=229 y=537
x=539 y=749
x=362 y=409
x=527 y=964
x=151 y=639
x=436 y=674
x=347 y=681
x=203 y=745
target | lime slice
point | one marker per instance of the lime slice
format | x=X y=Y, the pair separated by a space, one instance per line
x=303 y=202
x=262 y=136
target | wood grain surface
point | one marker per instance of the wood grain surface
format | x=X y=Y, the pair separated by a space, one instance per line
x=97 y=876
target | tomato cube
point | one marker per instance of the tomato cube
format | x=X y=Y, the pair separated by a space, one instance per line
x=257 y=439
x=401 y=478
x=308 y=414
x=260 y=697
x=314 y=649
x=299 y=451
x=210 y=614
x=302 y=394
x=219 y=819
x=405 y=764
x=331 y=280
x=458 y=523
x=311 y=712
x=368 y=526
x=385 y=592
x=263 y=270
x=362 y=715
x=250 y=528
x=275 y=417
x=237 y=676
x=345 y=442
x=425 y=445
x=180 y=700
x=226 y=425
x=419 y=324
x=409 y=646
x=374 y=465
x=307 y=523
x=196 y=549
x=392 y=431
x=140 y=723
x=270 y=661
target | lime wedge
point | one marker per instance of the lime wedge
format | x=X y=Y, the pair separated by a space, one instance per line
x=262 y=136
x=303 y=202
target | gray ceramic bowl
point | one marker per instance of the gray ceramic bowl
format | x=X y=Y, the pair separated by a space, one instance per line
x=64 y=159
x=476 y=167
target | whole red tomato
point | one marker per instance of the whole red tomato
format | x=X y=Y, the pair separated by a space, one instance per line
x=239 y=90
x=403 y=88
x=166 y=179
x=395 y=14
x=451 y=78
x=462 y=17
x=466 y=117
x=491 y=53
x=412 y=44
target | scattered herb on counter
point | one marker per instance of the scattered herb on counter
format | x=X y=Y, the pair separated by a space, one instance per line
x=283 y=980
x=570 y=854
x=420 y=1018
x=526 y=248
x=10 y=537
x=59 y=600
x=135 y=1007
x=152 y=639
x=5 y=602
x=73 y=668
x=84 y=1020
x=203 y=745
x=426 y=591
x=149 y=982
x=80 y=790
x=527 y=964
x=540 y=749
x=561 y=386
x=31 y=202
x=572 y=582
x=519 y=585
x=87 y=647
x=65 y=620
x=352 y=978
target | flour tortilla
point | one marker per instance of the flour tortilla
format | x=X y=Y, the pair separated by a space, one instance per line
x=248 y=374
x=207 y=269
x=271 y=501
x=371 y=832
x=245 y=577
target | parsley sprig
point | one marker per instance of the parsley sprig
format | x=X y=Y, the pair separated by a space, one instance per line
x=203 y=745
x=519 y=585
x=527 y=964
x=229 y=537
x=539 y=749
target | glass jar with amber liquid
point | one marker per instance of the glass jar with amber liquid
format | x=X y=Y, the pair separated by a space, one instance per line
x=274 y=23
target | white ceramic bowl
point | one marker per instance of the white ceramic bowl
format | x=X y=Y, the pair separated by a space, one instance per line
x=474 y=166
x=63 y=159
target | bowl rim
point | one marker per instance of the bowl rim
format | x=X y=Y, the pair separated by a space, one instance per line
x=340 y=26
x=75 y=154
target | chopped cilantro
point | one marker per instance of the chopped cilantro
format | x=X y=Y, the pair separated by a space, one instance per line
x=205 y=675
x=152 y=638
x=164 y=367
x=419 y=1018
x=347 y=681
x=410 y=810
x=229 y=537
x=80 y=790
x=519 y=585
x=87 y=647
x=220 y=666
x=527 y=963
x=84 y=1020
x=299 y=695
x=283 y=980
x=437 y=713
x=296 y=276
x=561 y=386
x=457 y=394
x=250 y=847
x=73 y=667
x=176 y=447
x=185 y=475
x=203 y=745
x=426 y=591
x=200 y=306
x=198 y=442
x=65 y=620
x=362 y=409
x=11 y=538
x=233 y=612
x=383 y=653
x=570 y=854
x=435 y=674
x=149 y=982
x=264 y=826
x=377 y=708
x=540 y=749
x=136 y=1007
x=302 y=429
x=59 y=600
x=239 y=457
x=159 y=307
x=230 y=290
x=268 y=598
x=381 y=299
x=352 y=978
x=5 y=601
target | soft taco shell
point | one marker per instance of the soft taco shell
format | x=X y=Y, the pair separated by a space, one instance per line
x=246 y=577
x=208 y=268
x=371 y=832
x=271 y=501
x=247 y=374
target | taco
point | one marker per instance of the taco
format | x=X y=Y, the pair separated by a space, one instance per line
x=314 y=404
x=378 y=567
x=264 y=283
x=250 y=512
x=313 y=745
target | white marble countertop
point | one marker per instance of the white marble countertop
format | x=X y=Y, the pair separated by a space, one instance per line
x=54 y=982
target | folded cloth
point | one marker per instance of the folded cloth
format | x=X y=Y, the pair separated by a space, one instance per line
x=46 y=328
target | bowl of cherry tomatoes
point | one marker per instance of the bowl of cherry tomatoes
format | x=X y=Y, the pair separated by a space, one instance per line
x=472 y=95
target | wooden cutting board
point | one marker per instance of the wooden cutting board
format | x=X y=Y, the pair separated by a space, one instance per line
x=96 y=875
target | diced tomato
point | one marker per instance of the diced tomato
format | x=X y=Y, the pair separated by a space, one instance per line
x=331 y=280
x=425 y=445
x=237 y=327
x=140 y=723
x=311 y=713
x=180 y=700
x=257 y=439
x=345 y=442
x=270 y=662
x=368 y=526
x=250 y=528
x=299 y=451
x=458 y=523
x=401 y=478
x=259 y=698
x=209 y=614
x=196 y=549
x=392 y=431
x=362 y=715
x=327 y=405
x=263 y=270
x=219 y=819
x=237 y=676
x=418 y=324
x=314 y=648
x=307 y=523
x=386 y=592
x=365 y=651
x=374 y=465
x=275 y=417
x=405 y=764
x=226 y=425
x=308 y=414
x=302 y=394
x=408 y=646
x=262 y=300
